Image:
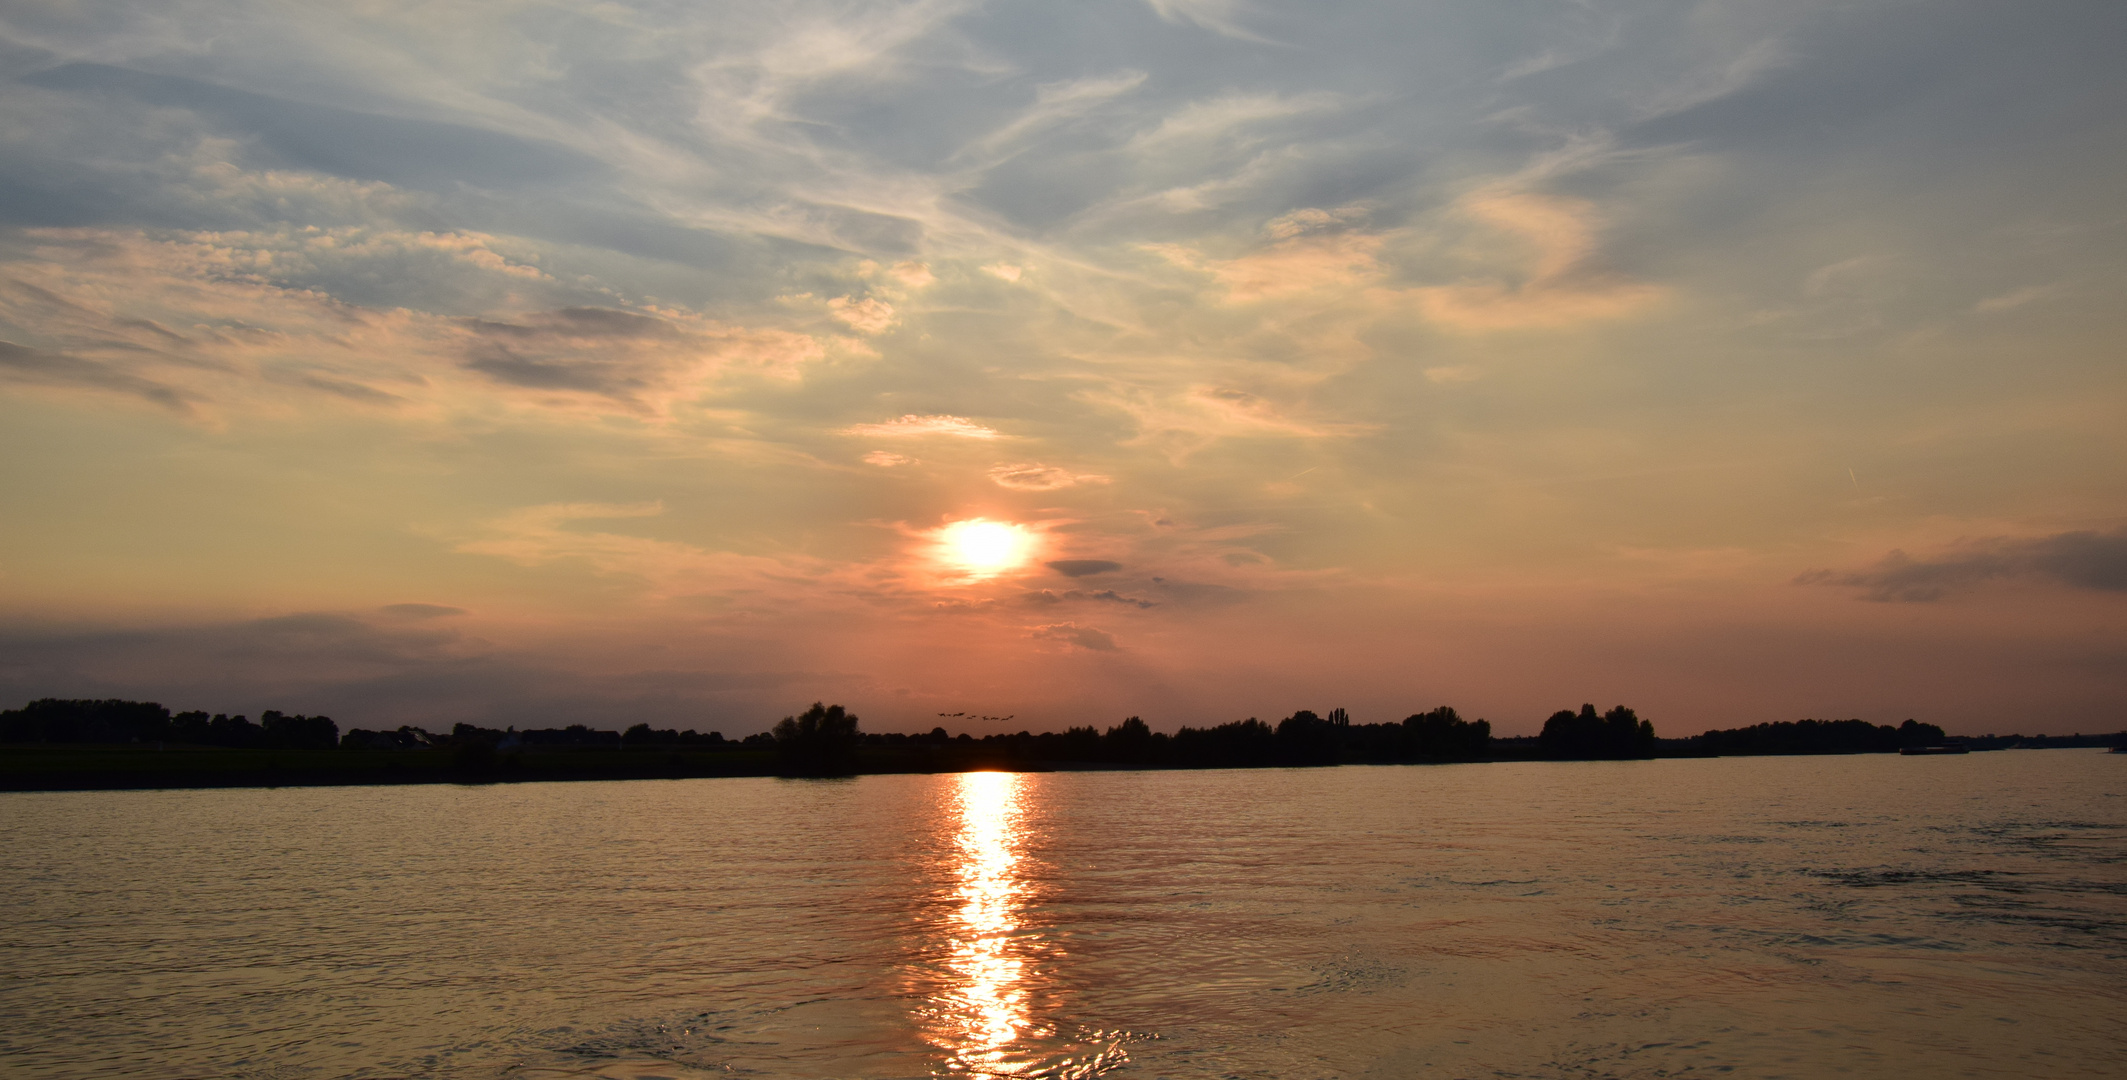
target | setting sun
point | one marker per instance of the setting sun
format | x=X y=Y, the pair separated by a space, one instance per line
x=979 y=547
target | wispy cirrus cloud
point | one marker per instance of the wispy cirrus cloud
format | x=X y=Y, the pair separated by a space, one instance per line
x=36 y=367
x=1294 y=266
x=222 y=320
x=1032 y=476
x=1218 y=16
x=1185 y=420
x=553 y=534
x=645 y=361
x=1560 y=284
x=1549 y=275
x=1057 y=103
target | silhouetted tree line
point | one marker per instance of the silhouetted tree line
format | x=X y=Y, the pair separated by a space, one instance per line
x=1820 y=737
x=405 y=738
x=1303 y=738
x=826 y=740
x=575 y=736
x=821 y=741
x=478 y=749
x=2117 y=739
x=57 y=720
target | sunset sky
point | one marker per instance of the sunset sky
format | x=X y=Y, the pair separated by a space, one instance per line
x=542 y=363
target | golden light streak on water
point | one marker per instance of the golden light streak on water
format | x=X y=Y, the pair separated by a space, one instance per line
x=985 y=1011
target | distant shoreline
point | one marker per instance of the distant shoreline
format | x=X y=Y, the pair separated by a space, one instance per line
x=55 y=744
x=133 y=767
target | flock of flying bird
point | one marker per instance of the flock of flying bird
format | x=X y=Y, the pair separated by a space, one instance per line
x=950 y=714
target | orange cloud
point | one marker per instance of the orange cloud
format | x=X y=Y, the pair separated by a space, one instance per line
x=866 y=316
x=912 y=425
x=912 y=274
x=1298 y=265
x=1032 y=476
x=1316 y=253
x=1562 y=284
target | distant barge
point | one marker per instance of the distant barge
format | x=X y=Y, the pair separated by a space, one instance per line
x=1916 y=751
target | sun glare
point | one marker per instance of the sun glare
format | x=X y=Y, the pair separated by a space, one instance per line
x=979 y=547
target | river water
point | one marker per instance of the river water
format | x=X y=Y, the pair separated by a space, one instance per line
x=1869 y=916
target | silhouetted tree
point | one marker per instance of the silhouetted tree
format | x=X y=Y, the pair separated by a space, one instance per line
x=236 y=731
x=1443 y=733
x=1241 y=742
x=1307 y=739
x=1130 y=741
x=1619 y=733
x=474 y=749
x=190 y=727
x=299 y=732
x=1080 y=743
x=818 y=742
x=468 y=734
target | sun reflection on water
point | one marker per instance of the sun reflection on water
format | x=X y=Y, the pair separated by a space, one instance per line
x=996 y=1011
x=985 y=1012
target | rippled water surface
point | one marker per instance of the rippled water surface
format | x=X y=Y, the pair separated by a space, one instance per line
x=1866 y=916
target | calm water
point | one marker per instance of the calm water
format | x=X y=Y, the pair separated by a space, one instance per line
x=1867 y=916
